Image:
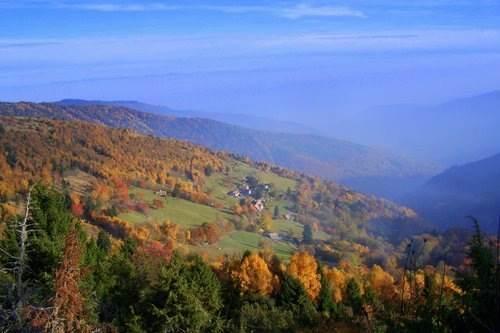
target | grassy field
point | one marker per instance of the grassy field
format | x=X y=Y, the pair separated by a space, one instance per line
x=296 y=229
x=179 y=211
x=284 y=226
x=240 y=170
x=188 y=214
x=238 y=242
x=218 y=185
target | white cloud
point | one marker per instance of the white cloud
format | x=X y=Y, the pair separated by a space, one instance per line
x=83 y=58
x=304 y=10
x=113 y=7
x=157 y=48
x=297 y=11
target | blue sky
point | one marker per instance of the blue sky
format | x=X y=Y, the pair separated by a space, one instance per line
x=276 y=58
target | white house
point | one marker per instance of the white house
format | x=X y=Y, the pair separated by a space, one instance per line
x=161 y=193
x=259 y=205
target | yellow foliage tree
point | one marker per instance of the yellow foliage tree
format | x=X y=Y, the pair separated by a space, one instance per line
x=254 y=276
x=338 y=281
x=304 y=268
x=381 y=282
x=267 y=222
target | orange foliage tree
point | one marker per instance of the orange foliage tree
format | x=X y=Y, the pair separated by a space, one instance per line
x=68 y=305
x=76 y=205
x=254 y=276
x=338 y=280
x=304 y=268
x=382 y=282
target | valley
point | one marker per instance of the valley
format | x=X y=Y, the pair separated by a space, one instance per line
x=211 y=202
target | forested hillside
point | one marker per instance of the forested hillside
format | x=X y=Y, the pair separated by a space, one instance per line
x=74 y=278
x=472 y=189
x=112 y=176
x=242 y=120
x=131 y=233
x=319 y=156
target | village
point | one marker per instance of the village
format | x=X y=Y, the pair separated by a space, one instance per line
x=259 y=196
x=252 y=189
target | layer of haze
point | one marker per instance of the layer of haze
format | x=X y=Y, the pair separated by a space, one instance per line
x=318 y=62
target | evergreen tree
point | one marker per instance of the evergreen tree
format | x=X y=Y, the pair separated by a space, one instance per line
x=307 y=234
x=326 y=304
x=276 y=214
x=294 y=298
x=186 y=297
x=260 y=314
x=49 y=221
x=103 y=241
x=480 y=286
x=353 y=297
x=119 y=300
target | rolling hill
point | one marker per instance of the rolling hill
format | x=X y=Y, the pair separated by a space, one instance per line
x=242 y=120
x=333 y=159
x=131 y=184
x=472 y=189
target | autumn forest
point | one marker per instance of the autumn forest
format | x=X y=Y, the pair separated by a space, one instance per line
x=95 y=238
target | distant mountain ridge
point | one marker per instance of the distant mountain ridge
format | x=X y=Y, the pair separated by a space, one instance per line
x=243 y=120
x=450 y=133
x=482 y=102
x=472 y=189
x=329 y=158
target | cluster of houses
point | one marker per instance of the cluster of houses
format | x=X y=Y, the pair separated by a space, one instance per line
x=250 y=188
x=246 y=190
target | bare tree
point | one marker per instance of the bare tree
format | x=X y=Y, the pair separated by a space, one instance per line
x=17 y=267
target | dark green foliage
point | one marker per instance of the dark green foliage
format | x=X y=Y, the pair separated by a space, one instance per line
x=262 y=315
x=186 y=297
x=208 y=170
x=481 y=286
x=293 y=297
x=91 y=206
x=113 y=210
x=354 y=298
x=96 y=282
x=28 y=279
x=307 y=234
x=103 y=241
x=10 y=156
x=52 y=220
x=326 y=305
x=252 y=181
x=48 y=225
x=276 y=214
x=124 y=286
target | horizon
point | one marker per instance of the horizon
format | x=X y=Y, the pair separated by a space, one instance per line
x=291 y=59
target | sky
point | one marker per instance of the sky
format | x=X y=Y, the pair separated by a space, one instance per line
x=309 y=61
